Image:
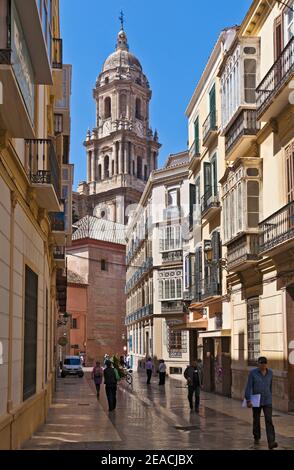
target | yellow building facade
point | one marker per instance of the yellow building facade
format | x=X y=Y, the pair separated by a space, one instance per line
x=32 y=215
x=258 y=197
x=249 y=127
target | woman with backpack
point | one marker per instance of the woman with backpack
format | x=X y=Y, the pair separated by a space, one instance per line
x=97 y=376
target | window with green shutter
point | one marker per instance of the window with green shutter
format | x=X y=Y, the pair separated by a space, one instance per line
x=207 y=178
x=212 y=108
x=192 y=201
x=196 y=135
x=198 y=271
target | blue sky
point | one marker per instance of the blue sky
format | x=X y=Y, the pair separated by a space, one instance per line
x=172 y=39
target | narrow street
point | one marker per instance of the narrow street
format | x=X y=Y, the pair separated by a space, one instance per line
x=149 y=418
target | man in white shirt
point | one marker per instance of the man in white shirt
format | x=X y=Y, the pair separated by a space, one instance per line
x=162 y=372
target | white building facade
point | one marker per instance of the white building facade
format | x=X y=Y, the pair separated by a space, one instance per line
x=155 y=274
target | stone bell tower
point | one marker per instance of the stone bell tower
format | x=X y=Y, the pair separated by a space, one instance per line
x=122 y=150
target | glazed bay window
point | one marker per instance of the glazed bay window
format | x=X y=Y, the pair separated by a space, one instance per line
x=253 y=331
x=289 y=23
x=171 y=238
x=238 y=79
x=241 y=202
x=170 y=285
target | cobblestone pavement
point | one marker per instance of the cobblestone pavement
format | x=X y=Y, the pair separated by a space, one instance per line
x=149 y=417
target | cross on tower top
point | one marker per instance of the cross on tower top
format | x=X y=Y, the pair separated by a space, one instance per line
x=121 y=19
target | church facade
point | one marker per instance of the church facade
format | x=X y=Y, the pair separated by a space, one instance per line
x=122 y=150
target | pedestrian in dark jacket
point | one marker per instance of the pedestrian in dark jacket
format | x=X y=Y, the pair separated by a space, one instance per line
x=149 y=370
x=97 y=376
x=110 y=381
x=260 y=383
x=193 y=375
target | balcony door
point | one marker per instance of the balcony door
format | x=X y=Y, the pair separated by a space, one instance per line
x=290 y=172
x=278 y=47
x=212 y=107
x=278 y=37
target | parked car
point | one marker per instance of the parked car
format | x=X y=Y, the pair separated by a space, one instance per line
x=72 y=366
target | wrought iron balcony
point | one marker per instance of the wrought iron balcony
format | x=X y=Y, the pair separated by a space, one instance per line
x=139 y=314
x=209 y=127
x=57 y=53
x=242 y=251
x=43 y=166
x=276 y=79
x=5 y=56
x=59 y=253
x=57 y=221
x=61 y=289
x=172 y=307
x=194 y=151
x=172 y=256
x=137 y=276
x=209 y=201
x=277 y=229
x=245 y=124
x=211 y=285
x=194 y=292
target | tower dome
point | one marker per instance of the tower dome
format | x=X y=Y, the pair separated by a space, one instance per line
x=121 y=57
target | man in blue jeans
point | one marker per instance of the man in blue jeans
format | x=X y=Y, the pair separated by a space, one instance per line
x=193 y=375
x=260 y=383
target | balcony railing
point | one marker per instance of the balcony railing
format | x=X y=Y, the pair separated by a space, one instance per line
x=57 y=221
x=277 y=229
x=194 y=292
x=137 y=276
x=172 y=307
x=42 y=163
x=242 y=250
x=211 y=285
x=276 y=78
x=194 y=150
x=5 y=56
x=140 y=313
x=57 y=54
x=245 y=124
x=209 y=125
x=209 y=200
x=171 y=213
x=59 y=253
x=172 y=256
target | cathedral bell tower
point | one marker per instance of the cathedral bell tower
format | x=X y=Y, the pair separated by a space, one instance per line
x=121 y=150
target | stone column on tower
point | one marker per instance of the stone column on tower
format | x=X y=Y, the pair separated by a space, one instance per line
x=115 y=153
x=93 y=165
x=88 y=167
x=120 y=158
x=126 y=149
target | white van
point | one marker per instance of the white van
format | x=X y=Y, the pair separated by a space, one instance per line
x=72 y=366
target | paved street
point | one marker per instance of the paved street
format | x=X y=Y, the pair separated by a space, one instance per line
x=149 y=418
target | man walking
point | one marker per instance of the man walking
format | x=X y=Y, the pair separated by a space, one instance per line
x=260 y=383
x=162 y=372
x=149 y=370
x=110 y=381
x=193 y=375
